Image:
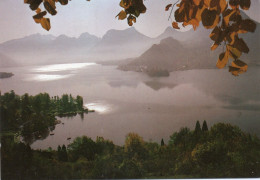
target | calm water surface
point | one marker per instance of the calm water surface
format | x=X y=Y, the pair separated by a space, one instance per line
x=132 y=102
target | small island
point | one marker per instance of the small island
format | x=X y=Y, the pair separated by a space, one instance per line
x=33 y=117
x=5 y=75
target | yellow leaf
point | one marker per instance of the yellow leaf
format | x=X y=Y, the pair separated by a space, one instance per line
x=121 y=15
x=233 y=52
x=45 y=22
x=223 y=59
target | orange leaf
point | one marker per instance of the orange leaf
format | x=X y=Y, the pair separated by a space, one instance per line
x=45 y=22
x=214 y=46
x=223 y=59
x=175 y=25
x=196 y=2
x=168 y=7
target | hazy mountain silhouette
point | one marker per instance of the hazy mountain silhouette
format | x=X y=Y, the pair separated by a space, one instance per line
x=39 y=49
x=171 y=55
x=189 y=50
x=128 y=43
x=118 y=44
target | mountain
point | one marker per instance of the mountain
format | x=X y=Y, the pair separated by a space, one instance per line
x=188 y=50
x=170 y=54
x=118 y=44
x=122 y=44
x=5 y=61
x=43 y=49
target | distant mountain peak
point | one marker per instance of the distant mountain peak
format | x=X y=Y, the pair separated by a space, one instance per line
x=169 y=40
x=87 y=35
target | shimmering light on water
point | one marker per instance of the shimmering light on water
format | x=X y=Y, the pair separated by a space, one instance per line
x=62 y=67
x=99 y=107
x=47 y=77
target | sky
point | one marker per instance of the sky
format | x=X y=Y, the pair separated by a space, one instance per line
x=79 y=16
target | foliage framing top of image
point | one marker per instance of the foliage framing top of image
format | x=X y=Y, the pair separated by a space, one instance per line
x=223 y=16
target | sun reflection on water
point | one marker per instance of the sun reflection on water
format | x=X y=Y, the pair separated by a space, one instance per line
x=61 y=67
x=99 y=107
x=47 y=77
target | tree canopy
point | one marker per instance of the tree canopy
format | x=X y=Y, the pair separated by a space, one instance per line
x=222 y=16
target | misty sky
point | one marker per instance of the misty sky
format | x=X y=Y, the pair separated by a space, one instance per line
x=79 y=16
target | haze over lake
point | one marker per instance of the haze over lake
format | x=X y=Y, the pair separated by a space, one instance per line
x=133 y=102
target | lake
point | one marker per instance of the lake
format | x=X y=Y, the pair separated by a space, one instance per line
x=133 y=102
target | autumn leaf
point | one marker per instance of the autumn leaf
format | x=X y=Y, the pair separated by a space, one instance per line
x=227 y=14
x=45 y=22
x=234 y=70
x=175 y=25
x=247 y=25
x=222 y=5
x=37 y=18
x=223 y=59
x=238 y=67
x=121 y=15
x=233 y=52
x=50 y=7
x=196 y=2
x=168 y=7
x=38 y=10
x=131 y=19
x=209 y=18
x=240 y=45
x=207 y=3
x=240 y=64
x=245 y=4
x=214 y=46
x=63 y=2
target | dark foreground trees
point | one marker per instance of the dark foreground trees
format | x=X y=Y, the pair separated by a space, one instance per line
x=222 y=151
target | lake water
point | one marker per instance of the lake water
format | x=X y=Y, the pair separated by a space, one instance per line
x=133 y=102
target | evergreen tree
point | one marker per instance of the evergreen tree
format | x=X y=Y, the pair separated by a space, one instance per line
x=59 y=153
x=204 y=126
x=197 y=128
x=162 y=142
x=64 y=153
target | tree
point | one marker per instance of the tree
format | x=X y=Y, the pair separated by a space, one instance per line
x=204 y=126
x=223 y=16
x=64 y=153
x=162 y=142
x=134 y=146
x=83 y=146
x=197 y=128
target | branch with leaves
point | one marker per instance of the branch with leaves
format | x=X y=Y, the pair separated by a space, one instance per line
x=223 y=16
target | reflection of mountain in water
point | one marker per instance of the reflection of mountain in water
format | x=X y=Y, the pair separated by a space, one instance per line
x=157 y=85
x=118 y=83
